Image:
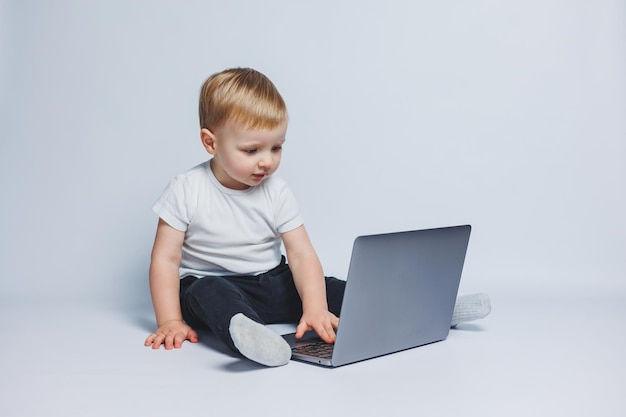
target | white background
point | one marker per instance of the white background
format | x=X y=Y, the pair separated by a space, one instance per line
x=509 y=116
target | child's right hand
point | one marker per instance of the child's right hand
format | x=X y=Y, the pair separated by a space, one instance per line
x=171 y=334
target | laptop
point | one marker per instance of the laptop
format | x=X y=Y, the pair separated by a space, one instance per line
x=400 y=293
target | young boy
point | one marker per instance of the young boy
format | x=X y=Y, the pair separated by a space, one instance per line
x=216 y=261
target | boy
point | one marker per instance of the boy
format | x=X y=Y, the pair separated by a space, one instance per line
x=216 y=260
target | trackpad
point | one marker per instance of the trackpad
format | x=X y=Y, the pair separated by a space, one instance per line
x=309 y=337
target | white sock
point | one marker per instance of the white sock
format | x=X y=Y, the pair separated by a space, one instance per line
x=258 y=343
x=470 y=307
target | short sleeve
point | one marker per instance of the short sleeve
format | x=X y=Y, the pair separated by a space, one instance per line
x=287 y=214
x=174 y=205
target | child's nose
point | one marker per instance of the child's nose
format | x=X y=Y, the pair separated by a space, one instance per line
x=265 y=161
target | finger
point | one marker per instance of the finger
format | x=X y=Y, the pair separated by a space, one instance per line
x=169 y=341
x=193 y=336
x=322 y=333
x=330 y=333
x=329 y=326
x=158 y=341
x=301 y=329
x=149 y=340
x=179 y=338
x=333 y=335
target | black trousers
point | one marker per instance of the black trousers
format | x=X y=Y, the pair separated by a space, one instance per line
x=210 y=303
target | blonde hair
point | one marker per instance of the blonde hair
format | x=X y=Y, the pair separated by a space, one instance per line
x=241 y=95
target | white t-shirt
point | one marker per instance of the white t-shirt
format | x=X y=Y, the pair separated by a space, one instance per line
x=227 y=232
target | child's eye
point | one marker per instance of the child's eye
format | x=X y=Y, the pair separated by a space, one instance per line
x=277 y=148
x=250 y=151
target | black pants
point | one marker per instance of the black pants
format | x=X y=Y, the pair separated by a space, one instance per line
x=210 y=303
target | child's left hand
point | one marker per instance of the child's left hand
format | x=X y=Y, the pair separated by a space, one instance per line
x=323 y=322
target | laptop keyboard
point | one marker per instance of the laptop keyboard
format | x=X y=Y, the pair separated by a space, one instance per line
x=317 y=349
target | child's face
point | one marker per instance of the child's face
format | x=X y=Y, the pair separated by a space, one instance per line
x=243 y=158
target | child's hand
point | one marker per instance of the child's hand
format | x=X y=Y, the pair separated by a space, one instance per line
x=171 y=334
x=324 y=323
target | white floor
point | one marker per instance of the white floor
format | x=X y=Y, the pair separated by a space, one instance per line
x=532 y=356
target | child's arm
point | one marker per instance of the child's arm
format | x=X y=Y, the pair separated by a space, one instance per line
x=164 y=287
x=309 y=280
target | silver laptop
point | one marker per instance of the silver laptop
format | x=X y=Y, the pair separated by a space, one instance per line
x=400 y=293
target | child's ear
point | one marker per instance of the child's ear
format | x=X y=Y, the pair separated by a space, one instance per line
x=208 y=140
